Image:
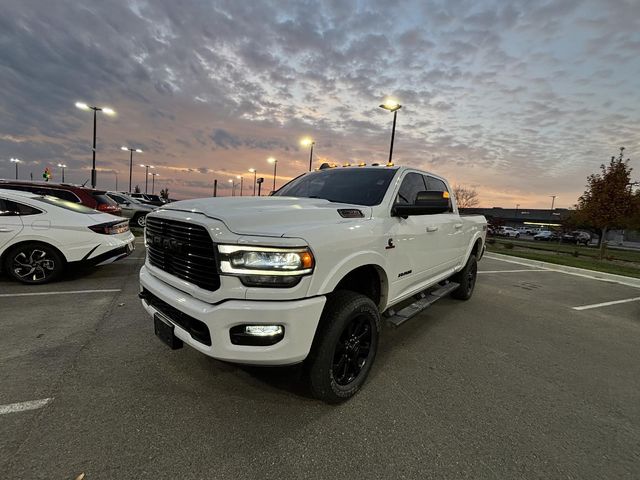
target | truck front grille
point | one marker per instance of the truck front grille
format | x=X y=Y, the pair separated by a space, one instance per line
x=183 y=250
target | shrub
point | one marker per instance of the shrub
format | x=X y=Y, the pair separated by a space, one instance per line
x=508 y=246
x=491 y=241
x=575 y=253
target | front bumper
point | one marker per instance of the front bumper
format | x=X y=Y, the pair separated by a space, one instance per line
x=298 y=317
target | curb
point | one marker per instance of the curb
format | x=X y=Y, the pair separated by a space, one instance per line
x=580 y=272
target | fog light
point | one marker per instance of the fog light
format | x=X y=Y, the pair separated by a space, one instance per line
x=263 y=330
x=256 y=335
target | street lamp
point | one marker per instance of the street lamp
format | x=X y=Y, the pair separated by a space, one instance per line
x=253 y=170
x=146 y=176
x=131 y=150
x=233 y=187
x=153 y=182
x=305 y=142
x=517 y=206
x=108 y=111
x=62 y=166
x=553 y=201
x=392 y=106
x=241 y=184
x=16 y=161
x=275 y=169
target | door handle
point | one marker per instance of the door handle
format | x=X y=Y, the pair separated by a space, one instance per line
x=432 y=228
x=458 y=226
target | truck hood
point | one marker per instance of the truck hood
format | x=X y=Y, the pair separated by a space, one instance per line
x=268 y=216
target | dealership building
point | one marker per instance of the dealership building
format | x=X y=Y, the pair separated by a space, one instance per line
x=512 y=217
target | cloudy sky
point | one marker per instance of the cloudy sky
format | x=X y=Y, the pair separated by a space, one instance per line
x=520 y=99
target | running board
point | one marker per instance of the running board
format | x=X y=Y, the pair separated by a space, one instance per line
x=424 y=301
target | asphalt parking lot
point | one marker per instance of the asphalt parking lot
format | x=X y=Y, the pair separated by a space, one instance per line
x=515 y=383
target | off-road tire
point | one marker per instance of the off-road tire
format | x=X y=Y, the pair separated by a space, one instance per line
x=467 y=279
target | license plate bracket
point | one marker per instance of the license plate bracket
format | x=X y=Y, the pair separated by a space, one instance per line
x=164 y=330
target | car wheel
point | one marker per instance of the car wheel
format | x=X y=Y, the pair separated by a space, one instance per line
x=344 y=347
x=467 y=279
x=517 y=235
x=34 y=263
x=141 y=220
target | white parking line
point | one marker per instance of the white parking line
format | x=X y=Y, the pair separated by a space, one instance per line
x=24 y=406
x=68 y=292
x=515 y=271
x=606 y=304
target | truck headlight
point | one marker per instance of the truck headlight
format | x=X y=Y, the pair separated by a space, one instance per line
x=266 y=266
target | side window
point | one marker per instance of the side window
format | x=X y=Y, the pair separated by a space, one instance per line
x=438 y=185
x=411 y=185
x=11 y=208
x=26 y=209
x=118 y=198
x=7 y=209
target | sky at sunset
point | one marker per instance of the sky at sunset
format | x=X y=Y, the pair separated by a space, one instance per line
x=519 y=99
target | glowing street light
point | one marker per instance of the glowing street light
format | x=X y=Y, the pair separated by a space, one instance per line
x=255 y=174
x=275 y=169
x=62 y=166
x=131 y=150
x=146 y=176
x=108 y=111
x=233 y=187
x=16 y=161
x=306 y=142
x=153 y=182
x=392 y=106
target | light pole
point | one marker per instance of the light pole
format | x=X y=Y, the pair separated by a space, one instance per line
x=275 y=169
x=253 y=170
x=241 y=183
x=16 y=161
x=233 y=187
x=108 y=111
x=153 y=182
x=306 y=142
x=116 y=174
x=146 y=176
x=392 y=106
x=553 y=201
x=517 y=206
x=131 y=150
x=62 y=166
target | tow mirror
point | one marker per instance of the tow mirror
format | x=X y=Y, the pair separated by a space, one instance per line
x=427 y=203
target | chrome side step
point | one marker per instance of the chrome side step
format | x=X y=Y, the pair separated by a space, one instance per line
x=424 y=301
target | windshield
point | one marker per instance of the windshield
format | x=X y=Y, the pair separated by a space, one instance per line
x=353 y=185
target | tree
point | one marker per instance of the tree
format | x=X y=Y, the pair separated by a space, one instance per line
x=466 y=197
x=164 y=193
x=137 y=189
x=608 y=202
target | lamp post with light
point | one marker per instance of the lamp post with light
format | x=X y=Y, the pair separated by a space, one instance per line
x=275 y=169
x=241 y=183
x=131 y=150
x=392 y=106
x=62 y=166
x=233 y=187
x=255 y=174
x=306 y=142
x=108 y=111
x=146 y=176
x=16 y=161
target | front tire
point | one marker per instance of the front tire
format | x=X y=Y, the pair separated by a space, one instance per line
x=344 y=348
x=140 y=220
x=467 y=279
x=34 y=263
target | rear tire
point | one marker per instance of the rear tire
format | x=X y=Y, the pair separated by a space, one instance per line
x=467 y=279
x=33 y=263
x=140 y=220
x=344 y=347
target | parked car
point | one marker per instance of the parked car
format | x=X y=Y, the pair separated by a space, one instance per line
x=132 y=208
x=577 y=237
x=308 y=273
x=525 y=230
x=41 y=235
x=545 y=235
x=89 y=197
x=148 y=198
x=508 y=232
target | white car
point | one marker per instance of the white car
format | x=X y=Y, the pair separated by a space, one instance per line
x=40 y=235
x=508 y=232
x=306 y=274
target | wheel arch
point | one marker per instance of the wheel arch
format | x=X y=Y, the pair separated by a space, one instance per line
x=12 y=246
x=369 y=280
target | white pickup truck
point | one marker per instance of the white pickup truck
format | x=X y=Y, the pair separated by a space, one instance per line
x=308 y=273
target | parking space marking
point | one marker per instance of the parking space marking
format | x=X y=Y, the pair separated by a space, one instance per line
x=24 y=406
x=68 y=292
x=515 y=271
x=606 y=304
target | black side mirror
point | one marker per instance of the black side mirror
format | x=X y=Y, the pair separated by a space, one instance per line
x=427 y=203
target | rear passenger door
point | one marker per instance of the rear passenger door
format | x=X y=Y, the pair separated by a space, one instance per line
x=450 y=227
x=10 y=222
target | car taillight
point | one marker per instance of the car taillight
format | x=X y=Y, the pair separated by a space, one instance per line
x=105 y=207
x=111 y=228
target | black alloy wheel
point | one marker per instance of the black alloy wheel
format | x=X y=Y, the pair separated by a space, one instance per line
x=352 y=351
x=34 y=263
x=467 y=279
